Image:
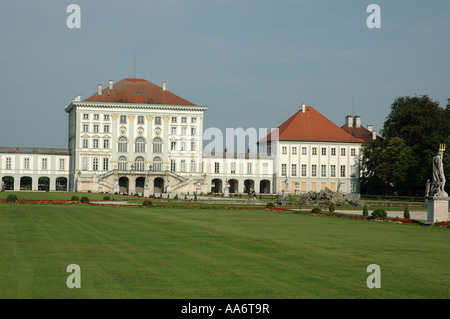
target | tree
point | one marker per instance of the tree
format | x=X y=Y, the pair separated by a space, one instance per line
x=422 y=125
x=387 y=164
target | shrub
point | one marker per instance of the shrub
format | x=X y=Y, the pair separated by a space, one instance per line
x=331 y=208
x=270 y=204
x=195 y=197
x=365 y=211
x=406 y=213
x=379 y=213
x=147 y=203
x=106 y=198
x=74 y=198
x=84 y=199
x=11 y=198
x=176 y=196
x=316 y=210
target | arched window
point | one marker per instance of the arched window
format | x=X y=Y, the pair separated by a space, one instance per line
x=139 y=164
x=139 y=145
x=157 y=164
x=123 y=144
x=157 y=145
x=122 y=163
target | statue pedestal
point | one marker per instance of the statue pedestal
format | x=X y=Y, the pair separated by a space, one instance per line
x=437 y=209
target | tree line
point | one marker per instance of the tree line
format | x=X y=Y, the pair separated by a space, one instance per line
x=400 y=162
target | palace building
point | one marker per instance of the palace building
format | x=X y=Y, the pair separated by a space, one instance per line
x=136 y=137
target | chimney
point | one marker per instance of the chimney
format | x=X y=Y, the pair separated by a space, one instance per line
x=370 y=128
x=77 y=98
x=349 y=120
x=357 y=121
x=374 y=135
x=99 y=89
x=111 y=85
x=303 y=108
x=164 y=86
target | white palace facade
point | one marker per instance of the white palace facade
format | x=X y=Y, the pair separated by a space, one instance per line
x=136 y=137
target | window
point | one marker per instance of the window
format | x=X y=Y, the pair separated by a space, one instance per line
x=61 y=164
x=303 y=150
x=95 y=164
x=106 y=117
x=85 y=116
x=333 y=171
x=183 y=146
x=342 y=170
x=353 y=152
x=173 y=165
x=284 y=150
x=265 y=168
x=105 y=143
x=294 y=150
x=123 y=119
x=85 y=143
x=249 y=168
x=294 y=170
x=314 y=170
x=193 y=166
x=139 y=164
x=84 y=163
x=157 y=164
x=324 y=151
x=174 y=119
x=44 y=164
x=333 y=151
x=342 y=151
x=352 y=170
x=158 y=120
x=139 y=146
x=26 y=163
x=183 y=166
x=193 y=120
x=303 y=169
x=157 y=145
x=105 y=163
x=193 y=131
x=123 y=144
x=85 y=127
x=95 y=143
x=314 y=151
x=96 y=117
x=323 y=170
x=283 y=169
x=173 y=146
x=233 y=168
x=193 y=146
x=183 y=131
x=183 y=120
x=8 y=163
x=140 y=119
x=122 y=163
x=216 y=168
x=173 y=130
x=106 y=128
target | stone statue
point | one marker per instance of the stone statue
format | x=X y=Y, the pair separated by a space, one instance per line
x=438 y=181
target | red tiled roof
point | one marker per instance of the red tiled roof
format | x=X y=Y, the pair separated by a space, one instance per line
x=130 y=90
x=311 y=126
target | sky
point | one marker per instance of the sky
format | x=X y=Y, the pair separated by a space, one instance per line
x=252 y=62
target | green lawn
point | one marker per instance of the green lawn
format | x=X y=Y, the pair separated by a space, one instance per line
x=137 y=252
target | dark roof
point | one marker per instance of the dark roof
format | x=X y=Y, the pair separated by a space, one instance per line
x=35 y=150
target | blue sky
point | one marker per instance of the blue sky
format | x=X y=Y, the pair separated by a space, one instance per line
x=253 y=63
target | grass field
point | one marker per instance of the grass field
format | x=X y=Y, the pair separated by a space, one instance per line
x=138 y=252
